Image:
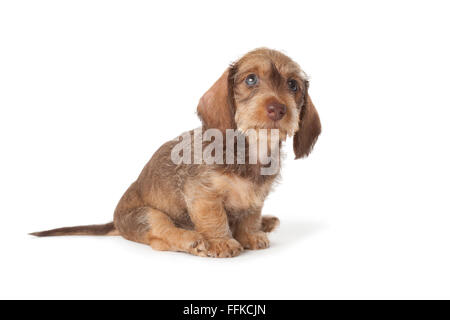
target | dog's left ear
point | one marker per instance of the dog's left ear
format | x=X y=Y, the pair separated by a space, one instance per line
x=309 y=129
x=216 y=106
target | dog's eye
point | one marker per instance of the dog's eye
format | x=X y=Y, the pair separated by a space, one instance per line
x=251 y=80
x=293 y=85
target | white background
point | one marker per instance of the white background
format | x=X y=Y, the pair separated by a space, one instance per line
x=90 y=89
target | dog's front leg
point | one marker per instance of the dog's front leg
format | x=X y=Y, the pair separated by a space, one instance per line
x=248 y=231
x=210 y=219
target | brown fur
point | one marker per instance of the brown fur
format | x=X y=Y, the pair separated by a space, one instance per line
x=107 y=229
x=215 y=210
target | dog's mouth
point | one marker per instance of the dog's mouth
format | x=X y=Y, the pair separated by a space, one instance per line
x=269 y=128
x=273 y=124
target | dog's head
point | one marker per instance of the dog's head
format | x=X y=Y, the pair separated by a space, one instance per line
x=264 y=89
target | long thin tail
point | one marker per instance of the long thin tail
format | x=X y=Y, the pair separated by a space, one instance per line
x=107 y=229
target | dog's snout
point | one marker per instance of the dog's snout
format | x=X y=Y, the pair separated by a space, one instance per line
x=276 y=110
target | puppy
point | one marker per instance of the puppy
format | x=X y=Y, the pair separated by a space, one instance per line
x=213 y=208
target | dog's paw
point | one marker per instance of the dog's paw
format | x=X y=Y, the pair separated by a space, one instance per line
x=199 y=247
x=254 y=241
x=224 y=248
x=195 y=244
x=269 y=223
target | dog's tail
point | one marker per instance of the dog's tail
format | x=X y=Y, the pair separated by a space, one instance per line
x=107 y=229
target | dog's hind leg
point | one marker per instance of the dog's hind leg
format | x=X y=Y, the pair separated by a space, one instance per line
x=269 y=223
x=155 y=228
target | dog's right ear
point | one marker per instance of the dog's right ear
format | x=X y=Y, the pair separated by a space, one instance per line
x=216 y=106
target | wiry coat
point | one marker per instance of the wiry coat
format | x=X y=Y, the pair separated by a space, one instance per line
x=215 y=209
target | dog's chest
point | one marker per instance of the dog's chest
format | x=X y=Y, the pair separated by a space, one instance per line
x=241 y=194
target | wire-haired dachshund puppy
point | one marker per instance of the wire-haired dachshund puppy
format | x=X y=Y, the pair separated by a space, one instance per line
x=214 y=209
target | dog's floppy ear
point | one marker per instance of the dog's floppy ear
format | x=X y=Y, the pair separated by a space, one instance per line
x=216 y=106
x=309 y=129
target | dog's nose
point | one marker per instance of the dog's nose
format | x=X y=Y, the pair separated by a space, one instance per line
x=276 y=110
